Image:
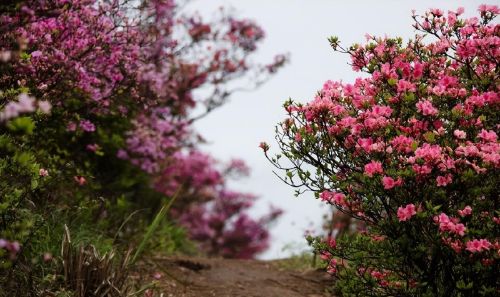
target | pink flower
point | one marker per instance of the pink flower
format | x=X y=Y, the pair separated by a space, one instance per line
x=26 y=103
x=449 y=225
x=44 y=106
x=5 y=56
x=429 y=152
x=333 y=197
x=456 y=246
x=372 y=168
x=332 y=266
x=324 y=255
x=13 y=247
x=477 y=246
x=36 y=54
x=442 y=181
x=437 y=12
x=43 y=172
x=405 y=213
x=80 y=180
x=402 y=143
x=87 y=126
x=425 y=107
x=422 y=170
x=459 y=134
x=93 y=147
x=12 y=109
x=365 y=144
x=459 y=229
x=122 y=154
x=484 y=8
x=390 y=183
x=465 y=212
x=489 y=136
x=442 y=218
x=326 y=196
x=331 y=242
x=264 y=146
x=339 y=199
x=378 y=237
x=71 y=127
x=47 y=257
x=298 y=137
x=404 y=86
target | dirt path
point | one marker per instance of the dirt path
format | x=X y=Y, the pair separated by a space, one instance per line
x=200 y=277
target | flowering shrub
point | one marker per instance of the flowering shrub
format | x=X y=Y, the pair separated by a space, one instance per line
x=96 y=110
x=221 y=223
x=410 y=150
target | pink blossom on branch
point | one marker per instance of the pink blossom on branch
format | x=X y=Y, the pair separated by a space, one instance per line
x=373 y=167
x=390 y=183
x=478 y=245
x=405 y=213
x=466 y=211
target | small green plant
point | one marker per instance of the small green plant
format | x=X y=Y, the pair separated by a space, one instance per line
x=305 y=260
x=88 y=273
x=160 y=216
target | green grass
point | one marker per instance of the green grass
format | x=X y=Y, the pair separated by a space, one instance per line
x=300 y=262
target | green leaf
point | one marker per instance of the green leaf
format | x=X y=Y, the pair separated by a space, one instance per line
x=24 y=56
x=154 y=225
x=34 y=184
x=21 y=124
x=429 y=137
x=409 y=97
x=414 y=145
x=23 y=158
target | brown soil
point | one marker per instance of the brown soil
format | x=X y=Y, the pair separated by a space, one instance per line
x=200 y=277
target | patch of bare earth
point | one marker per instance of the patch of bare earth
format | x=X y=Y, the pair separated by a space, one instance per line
x=200 y=277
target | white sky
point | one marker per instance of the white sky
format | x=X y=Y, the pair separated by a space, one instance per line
x=301 y=28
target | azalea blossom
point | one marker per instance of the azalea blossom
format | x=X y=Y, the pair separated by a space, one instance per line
x=373 y=167
x=405 y=213
x=467 y=211
x=43 y=172
x=390 y=183
x=478 y=245
x=80 y=180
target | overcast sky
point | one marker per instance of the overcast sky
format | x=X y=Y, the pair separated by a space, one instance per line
x=301 y=28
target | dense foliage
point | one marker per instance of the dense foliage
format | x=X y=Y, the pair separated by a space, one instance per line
x=96 y=110
x=411 y=151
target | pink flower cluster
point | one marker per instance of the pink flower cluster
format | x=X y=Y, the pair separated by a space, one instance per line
x=467 y=211
x=13 y=247
x=405 y=213
x=426 y=108
x=156 y=136
x=390 y=182
x=218 y=218
x=334 y=198
x=447 y=224
x=373 y=167
x=478 y=245
x=24 y=104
